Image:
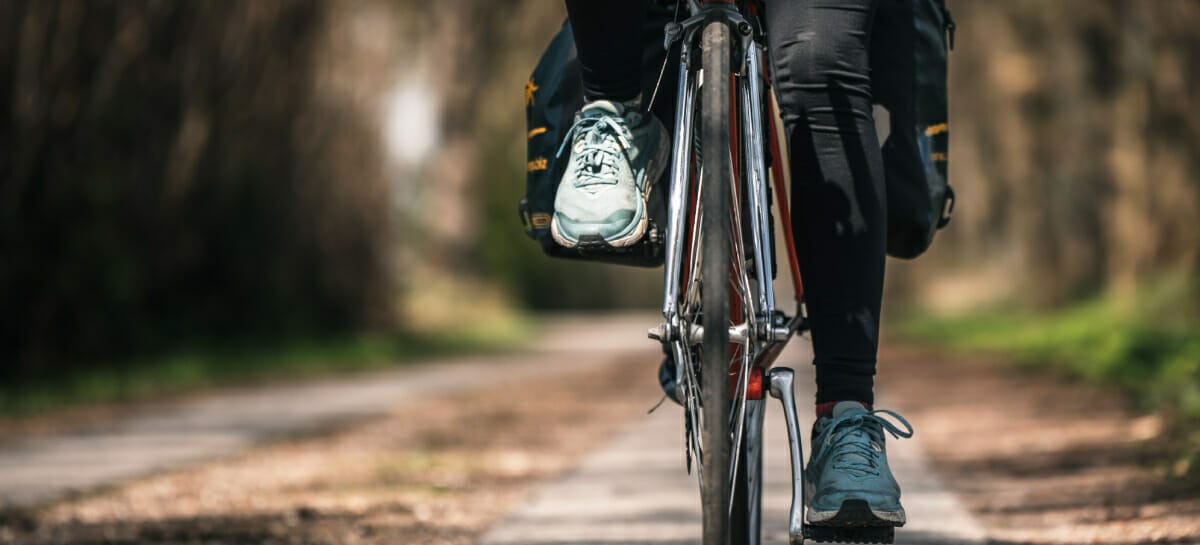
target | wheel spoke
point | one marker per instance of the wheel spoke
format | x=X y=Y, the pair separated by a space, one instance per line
x=740 y=288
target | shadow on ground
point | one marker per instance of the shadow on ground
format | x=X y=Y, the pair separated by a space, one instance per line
x=1043 y=459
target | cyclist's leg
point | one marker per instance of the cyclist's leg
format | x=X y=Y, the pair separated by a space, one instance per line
x=820 y=53
x=608 y=39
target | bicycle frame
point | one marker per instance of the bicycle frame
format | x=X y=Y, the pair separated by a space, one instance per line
x=766 y=329
x=769 y=324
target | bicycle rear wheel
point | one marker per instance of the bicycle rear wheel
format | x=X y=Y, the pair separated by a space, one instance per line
x=716 y=43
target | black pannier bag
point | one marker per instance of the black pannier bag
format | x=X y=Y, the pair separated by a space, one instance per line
x=909 y=45
x=552 y=96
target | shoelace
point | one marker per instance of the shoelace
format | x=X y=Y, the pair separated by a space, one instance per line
x=599 y=142
x=848 y=439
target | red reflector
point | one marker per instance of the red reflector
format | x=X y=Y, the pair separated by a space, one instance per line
x=754 y=389
x=754 y=386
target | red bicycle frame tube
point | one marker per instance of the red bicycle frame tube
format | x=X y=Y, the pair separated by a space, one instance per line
x=781 y=194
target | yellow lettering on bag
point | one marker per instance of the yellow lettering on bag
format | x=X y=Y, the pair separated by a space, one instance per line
x=937 y=129
x=537 y=164
x=529 y=89
x=541 y=220
x=537 y=131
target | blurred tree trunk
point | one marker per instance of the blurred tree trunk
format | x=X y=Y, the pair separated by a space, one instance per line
x=1076 y=147
x=174 y=172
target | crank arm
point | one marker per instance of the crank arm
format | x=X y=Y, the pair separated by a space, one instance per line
x=781 y=380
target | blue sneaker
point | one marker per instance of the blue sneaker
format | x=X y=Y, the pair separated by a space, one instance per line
x=848 y=482
x=616 y=155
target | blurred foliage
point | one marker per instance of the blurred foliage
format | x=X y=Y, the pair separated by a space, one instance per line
x=1148 y=344
x=1075 y=153
x=189 y=368
x=170 y=171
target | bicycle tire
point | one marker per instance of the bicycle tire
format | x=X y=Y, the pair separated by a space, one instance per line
x=715 y=43
x=745 y=522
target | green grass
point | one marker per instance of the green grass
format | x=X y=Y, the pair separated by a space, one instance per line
x=1147 y=344
x=192 y=369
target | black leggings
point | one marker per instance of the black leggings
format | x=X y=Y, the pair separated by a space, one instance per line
x=819 y=53
x=608 y=40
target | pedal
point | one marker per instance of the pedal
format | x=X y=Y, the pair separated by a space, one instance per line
x=839 y=534
x=596 y=244
x=647 y=251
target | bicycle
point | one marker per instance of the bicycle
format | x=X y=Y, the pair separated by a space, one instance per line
x=719 y=272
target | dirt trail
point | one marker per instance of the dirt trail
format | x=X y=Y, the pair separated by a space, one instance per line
x=634 y=491
x=1038 y=460
x=132 y=441
x=437 y=472
x=1042 y=459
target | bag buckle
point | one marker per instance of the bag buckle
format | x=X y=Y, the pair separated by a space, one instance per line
x=947 y=208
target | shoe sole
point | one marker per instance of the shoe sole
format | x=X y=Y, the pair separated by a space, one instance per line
x=856 y=514
x=623 y=242
x=655 y=168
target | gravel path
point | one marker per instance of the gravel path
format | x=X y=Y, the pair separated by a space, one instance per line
x=40 y=469
x=457 y=452
x=634 y=491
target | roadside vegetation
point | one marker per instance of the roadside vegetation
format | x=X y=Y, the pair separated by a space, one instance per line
x=1147 y=345
x=192 y=369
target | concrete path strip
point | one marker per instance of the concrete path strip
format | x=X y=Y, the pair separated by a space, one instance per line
x=37 y=470
x=635 y=491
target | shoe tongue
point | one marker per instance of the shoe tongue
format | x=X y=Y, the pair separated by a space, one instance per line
x=601 y=107
x=844 y=407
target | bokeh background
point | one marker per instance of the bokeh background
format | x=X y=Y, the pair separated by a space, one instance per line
x=200 y=192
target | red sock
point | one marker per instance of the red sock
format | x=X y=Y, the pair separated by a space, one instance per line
x=826 y=409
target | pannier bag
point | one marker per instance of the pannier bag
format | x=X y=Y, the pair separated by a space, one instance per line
x=909 y=46
x=552 y=96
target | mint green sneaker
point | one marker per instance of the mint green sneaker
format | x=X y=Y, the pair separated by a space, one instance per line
x=848 y=482
x=616 y=155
